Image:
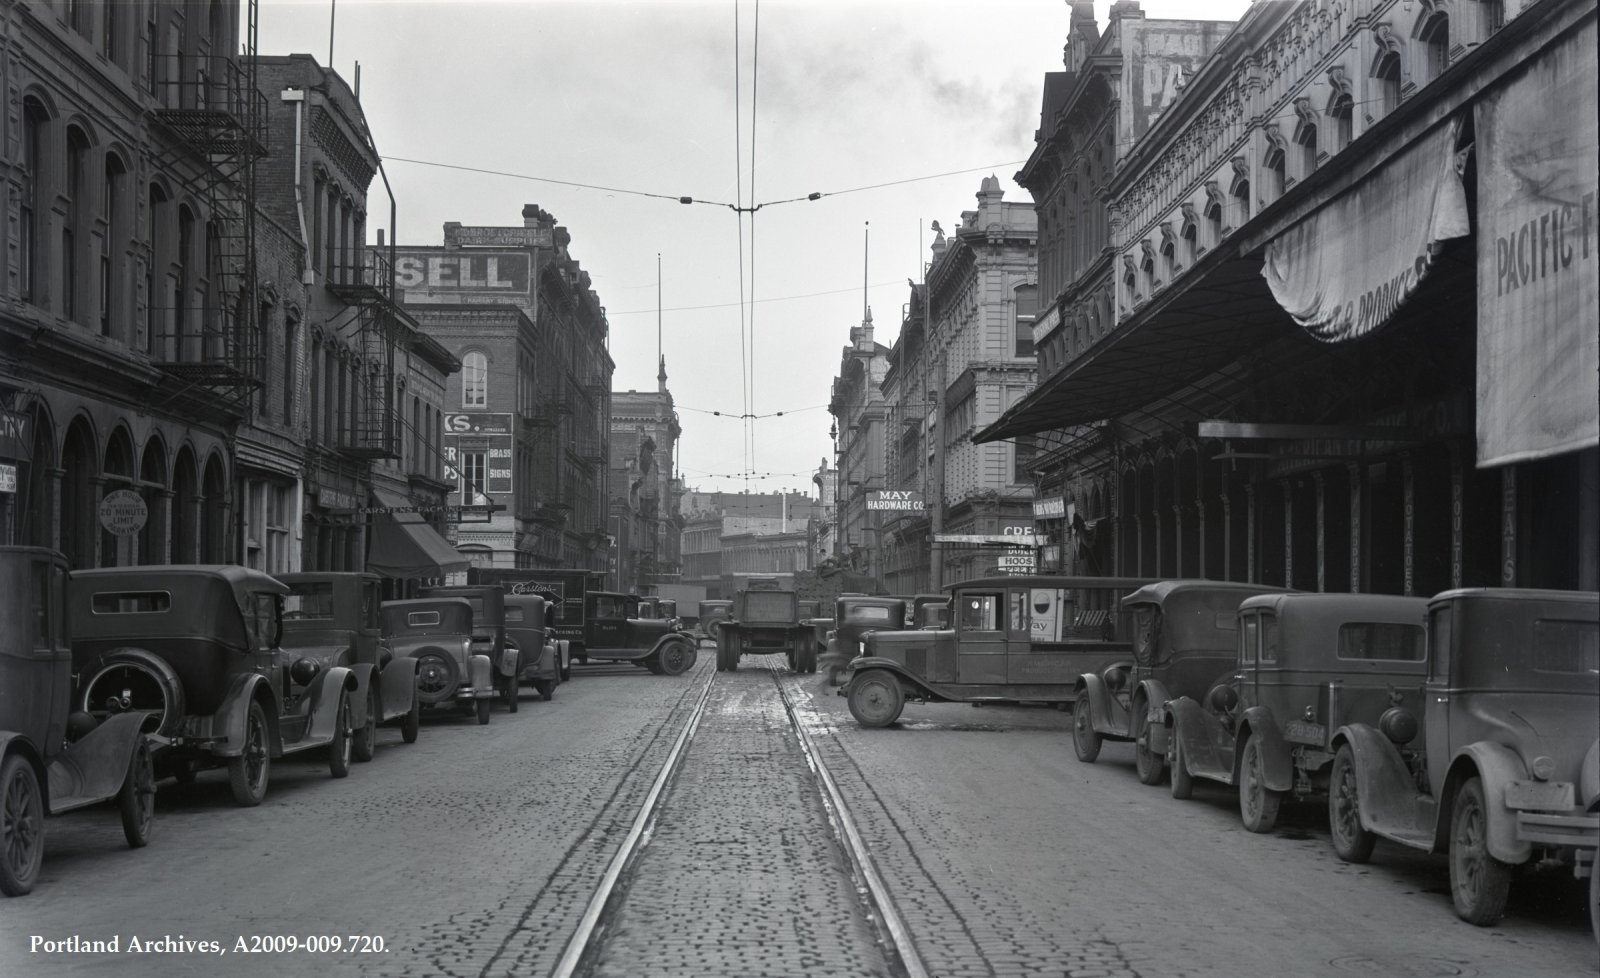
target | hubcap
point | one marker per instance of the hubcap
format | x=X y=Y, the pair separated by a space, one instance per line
x=255 y=752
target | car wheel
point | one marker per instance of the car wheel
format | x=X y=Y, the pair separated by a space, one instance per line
x=136 y=802
x=1182 y=781
x=365 y=744
x=249 y=772
x=1084 y=740
x=1150 y=766
x=483 y=711
x=21 y=826
x=546 y=688
x=876 y=698
x=1258 y=804
x=675 y=658
x=1478 y=881
x=1351 y=842
x=513 y=693
x=1594 y=900
x=412 y=724
x=340 y=748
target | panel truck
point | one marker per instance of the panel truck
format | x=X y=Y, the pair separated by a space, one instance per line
x=766 y=620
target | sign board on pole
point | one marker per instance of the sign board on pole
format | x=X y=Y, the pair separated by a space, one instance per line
x=1020 y=539
x=1050 y=508
x=8 y=478
x=123 y=512
x=895 y=499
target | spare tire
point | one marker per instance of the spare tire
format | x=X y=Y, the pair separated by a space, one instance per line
x=437 y=676
x=128 y=679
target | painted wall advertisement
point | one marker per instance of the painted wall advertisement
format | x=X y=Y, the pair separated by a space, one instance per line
x=1538 y=258
x=478 y=457
x=437 y=275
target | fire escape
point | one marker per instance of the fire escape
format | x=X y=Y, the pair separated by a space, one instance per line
x=211 y=120
x=367 y=290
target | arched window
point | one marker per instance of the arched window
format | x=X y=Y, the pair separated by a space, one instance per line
x=1387 y=75
x=1276 y=169
x=475 y=380
x=1027 y=307
x=1342 y=112
x=182 y=273
x=35 y=154
x=114 y=245
x=75 y=232
x=1435 y=37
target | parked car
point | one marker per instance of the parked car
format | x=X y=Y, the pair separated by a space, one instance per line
x=50 y=762
x=488 y=633
x=712 y=614
x=1022 y=638
x=335 y=618
x=527 y=624
x=1306 y=665
x=809 y=609
x=766 y=621
x=199 y=645
x=438 y=633
x=564 y=589
x=855 y=616
x=1186 y=636
x=1507 y=768
x=929 y=613
x=669 y=611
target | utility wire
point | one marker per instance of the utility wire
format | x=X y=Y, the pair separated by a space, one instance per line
x=738 y=196
x=755 y=91
x=725 y=305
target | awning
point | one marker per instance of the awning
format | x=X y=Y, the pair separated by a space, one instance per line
x=1343 y=270
x=402 y=545
x=1178 y=338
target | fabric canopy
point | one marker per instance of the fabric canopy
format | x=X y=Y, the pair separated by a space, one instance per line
x=1344 y=270
x=402 y=545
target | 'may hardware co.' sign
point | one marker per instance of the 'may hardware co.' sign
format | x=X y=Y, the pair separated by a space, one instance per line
x=895 y=499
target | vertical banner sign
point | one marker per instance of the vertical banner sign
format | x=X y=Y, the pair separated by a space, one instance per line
x=1538 y=258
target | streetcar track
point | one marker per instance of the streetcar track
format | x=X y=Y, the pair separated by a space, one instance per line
x=894 y=937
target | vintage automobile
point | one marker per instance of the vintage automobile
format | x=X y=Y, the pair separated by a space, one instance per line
x=669 y=609
x=712 y=614
x=1185 y=637
x=930 y=611
x=810 y=609
x=50 y=761
x=438 y=633
x=613 y=631
x=855 y=616
x=1506 y=772
x=334 y=617
x=1306 y=664
x=488 y=633
x=527 y=624
x=199 y=645
x=766 y=621
x=1020 y=638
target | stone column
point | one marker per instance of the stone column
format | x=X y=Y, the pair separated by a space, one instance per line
x=1250 y=534
x=1227 y=538
x=1457 y=513
x=97 y=492
x=1288 y=532
x=196 y=518
x=1408 y=479
x=163 y=554
x=51 y=529
x=1200 y=534
x=1354 y=471
x=1138 y=545
x=1322 y=531
x=1177 y=539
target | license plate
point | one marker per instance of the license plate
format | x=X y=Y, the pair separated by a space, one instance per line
x=1539 y=795
x=1303 y=732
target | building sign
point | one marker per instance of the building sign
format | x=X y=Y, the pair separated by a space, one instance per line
x=1018 y=560
x=477 y=424
x=449 y=275
x=8 y=478
x=895 y=499
x=1013 y=537
x=1538 y=258
x=123 y=512
x=477 y=236
x=1050 y=508
x=1047 y=324
x=1342 y=271
x=16 y=436
x=479 y=457
x=1045 y=613
x=334 y=499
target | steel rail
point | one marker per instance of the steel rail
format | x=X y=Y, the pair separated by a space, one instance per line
x=579 y=942
x=882 y=902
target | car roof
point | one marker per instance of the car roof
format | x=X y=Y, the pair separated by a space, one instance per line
x=237 y=576
x=298 y=576
x=1339 y=604
x=1518 y=593
x=1161 y=590
x=1054 y=580
x=420 y=603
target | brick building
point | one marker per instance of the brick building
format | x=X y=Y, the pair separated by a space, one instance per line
x=526 y=425
x=754 y=520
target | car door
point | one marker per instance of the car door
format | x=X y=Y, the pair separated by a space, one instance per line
x=981 y=637
x=369 y=630
x=1436 y=694
x=605 y=622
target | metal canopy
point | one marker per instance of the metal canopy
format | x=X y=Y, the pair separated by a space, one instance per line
x=1179 y=338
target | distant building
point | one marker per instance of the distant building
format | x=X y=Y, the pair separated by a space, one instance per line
x=755 y=532
x=645 y=521
x=856 y=403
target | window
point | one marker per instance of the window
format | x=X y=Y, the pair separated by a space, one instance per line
x=108 y=32
x=1017 y=622
x=180 y=281
x=1569 y=647
x=1387 y=74
x=1382 y=640
x=115 y=240
x=130 y=603
x=1247 y=641
x=1214 y=222
x=1435 y=36
x=1027 y=305
x=1191 y=242
x=1241 y=199
x=422 y=618
x=260 y=615
x=75 y=230
x=34 y=132
x=980 y=612
x=1023 y=451
x=1342 y=112
x=280 y=505
x=291 y=330
x=1277 y=175
x=1306 y=139
x=475 y=380
x=308 y=600
x=1269 y=638
x=474 y=470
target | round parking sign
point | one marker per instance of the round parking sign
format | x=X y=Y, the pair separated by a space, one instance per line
x=123 y=512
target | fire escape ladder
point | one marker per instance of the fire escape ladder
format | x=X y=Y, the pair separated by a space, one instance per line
x=366 y=288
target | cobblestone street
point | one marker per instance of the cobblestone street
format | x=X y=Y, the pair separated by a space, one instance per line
x=474 y=851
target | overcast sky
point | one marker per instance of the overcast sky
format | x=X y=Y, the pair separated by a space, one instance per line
x=642 y=97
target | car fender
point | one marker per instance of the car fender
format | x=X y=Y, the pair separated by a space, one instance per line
x=564 y=650
x=1207 y=746
x=93 y=768
x=1148 y=696
x=1277 y=760
x=1104 y=711
x=397 y=688
x=481 y=673
x=668 y=639
x=538 y=664
x=1383 y=783
x=232 y=716
x=1495 y=766
x=12 y=742
x=358 y=701
x=914 y=687
x=322 y=702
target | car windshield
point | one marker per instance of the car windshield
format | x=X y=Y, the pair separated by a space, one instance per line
x=308 y=600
